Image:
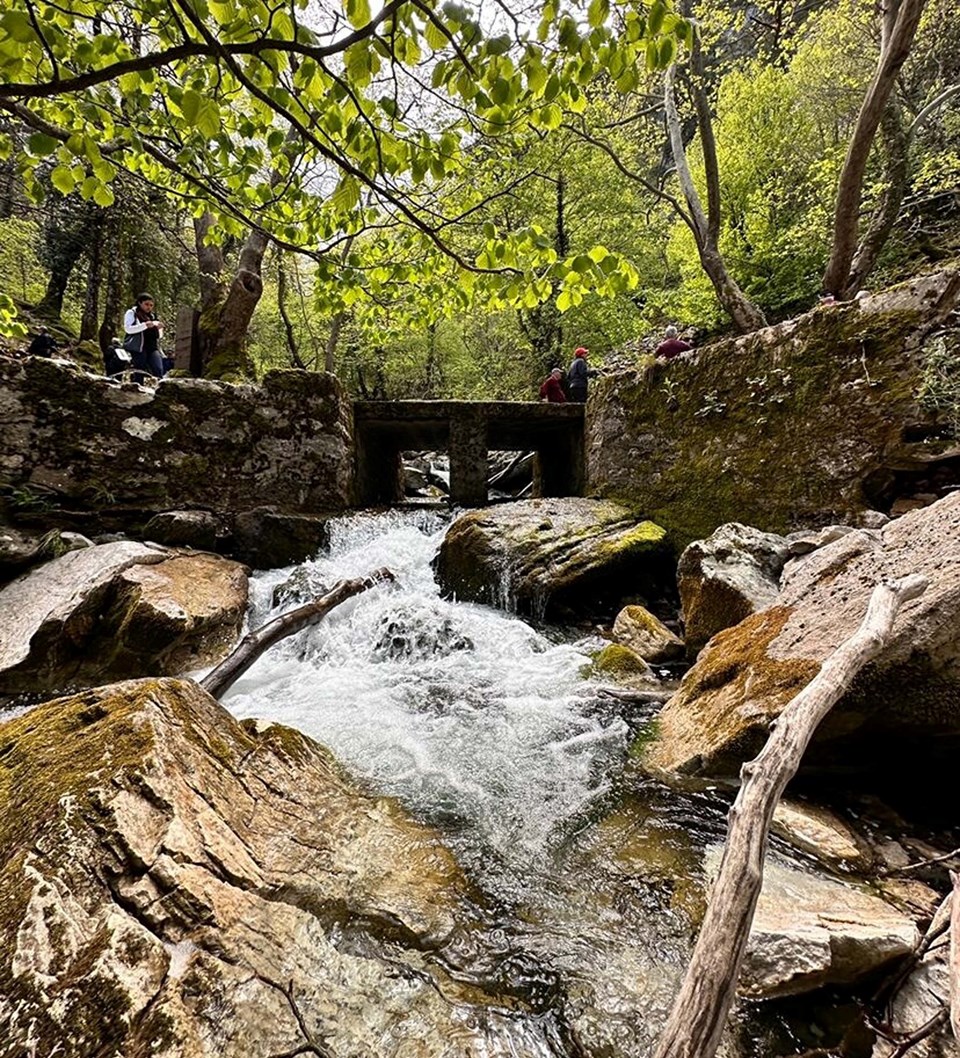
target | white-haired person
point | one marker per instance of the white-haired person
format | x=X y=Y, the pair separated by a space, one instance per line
x=672 y=345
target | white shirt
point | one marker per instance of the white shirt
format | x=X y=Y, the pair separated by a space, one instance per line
x=132 y=325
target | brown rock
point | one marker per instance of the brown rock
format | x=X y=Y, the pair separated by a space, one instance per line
x=177 y=884
x=905 y=704
x=638 y=629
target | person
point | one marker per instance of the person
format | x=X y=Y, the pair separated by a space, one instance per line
x=671 y=345
x=44 y=344
x=552 y=391
x=116 y=359
x=578 y=374
x=144 y=330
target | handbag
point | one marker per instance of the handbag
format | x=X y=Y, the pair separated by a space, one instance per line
x=133 y=343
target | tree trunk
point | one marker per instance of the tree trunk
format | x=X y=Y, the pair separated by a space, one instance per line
x=91 y=302
x=295 y=358
x=210 y=264
x=113 y=290
x=51 y=304
x=255 y=643
x=745 y=315
x=900 y=21
x=699 y=1013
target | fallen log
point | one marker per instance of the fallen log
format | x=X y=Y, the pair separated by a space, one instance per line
x=699 y=1013
x=255 y=643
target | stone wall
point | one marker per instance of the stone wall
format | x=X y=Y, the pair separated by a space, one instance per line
x=809 y=422
x=76 y=442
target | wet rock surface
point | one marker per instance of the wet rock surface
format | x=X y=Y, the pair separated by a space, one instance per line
x=541 y=556
x=116 y=610
x=809 y=931
x=903 y=710
x=175 y=883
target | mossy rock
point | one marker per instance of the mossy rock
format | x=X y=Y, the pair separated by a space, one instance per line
x=554 y=556
x=617 y=660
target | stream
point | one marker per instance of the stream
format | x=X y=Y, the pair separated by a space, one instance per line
x=493 y=731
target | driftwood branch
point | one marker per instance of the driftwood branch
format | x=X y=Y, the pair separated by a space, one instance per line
x=696 y=1022
x=255 y=643
x=955 y=955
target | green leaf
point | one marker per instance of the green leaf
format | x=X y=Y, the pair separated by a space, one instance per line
x=655 y=18
x=551 y=116
x=598 y=11
x=62 y=179
x=668 y=49
x=347 y=195
x=358 y=12
x=434 y=36
x=103 y=196
x=564 y=301
x=40 y=145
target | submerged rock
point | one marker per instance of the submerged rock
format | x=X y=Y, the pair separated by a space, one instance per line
x=638 y=629
x=536 y=556
x=820 y=833
x=115 y=610
x=177 y=884
x=903 y=710
x=731 y=574
x=809 y=931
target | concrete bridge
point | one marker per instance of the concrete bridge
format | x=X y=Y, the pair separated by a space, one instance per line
x=467 y=430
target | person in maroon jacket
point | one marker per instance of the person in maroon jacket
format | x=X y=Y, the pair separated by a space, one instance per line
x=552 y=390
x=671 y=345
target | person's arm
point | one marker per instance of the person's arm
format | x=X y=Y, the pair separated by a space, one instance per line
x=131 y=324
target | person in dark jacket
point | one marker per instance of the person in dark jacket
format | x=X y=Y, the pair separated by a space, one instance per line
x=144 y=330
x=578 y=374
x=671 y=345
x=552 y=389
x=43 y=345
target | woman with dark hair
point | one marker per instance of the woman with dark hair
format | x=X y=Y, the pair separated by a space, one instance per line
x=144 y=331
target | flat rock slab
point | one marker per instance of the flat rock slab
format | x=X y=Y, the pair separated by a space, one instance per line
x=809 y=931
x=116 y=610
x=902 y=708
x=178 y=884
x=547 y=555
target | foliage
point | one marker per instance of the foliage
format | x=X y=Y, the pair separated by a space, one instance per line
x=364 y=117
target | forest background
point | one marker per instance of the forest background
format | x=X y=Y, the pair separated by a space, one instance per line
x=588 y=185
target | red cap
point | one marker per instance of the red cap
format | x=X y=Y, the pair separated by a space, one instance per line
x=580 y=351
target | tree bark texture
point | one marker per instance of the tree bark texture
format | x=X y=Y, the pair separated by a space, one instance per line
x=114 y=284
x=699 y=1013
x=295 y=359
x=255 y=643
x=900 y=22
x=745 y=315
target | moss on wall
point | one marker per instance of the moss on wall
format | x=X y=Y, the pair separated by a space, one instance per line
x=778 y=429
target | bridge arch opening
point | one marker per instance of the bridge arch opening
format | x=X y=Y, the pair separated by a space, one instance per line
x=467 y=431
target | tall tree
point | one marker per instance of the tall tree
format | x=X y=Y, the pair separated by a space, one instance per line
x=899 y=20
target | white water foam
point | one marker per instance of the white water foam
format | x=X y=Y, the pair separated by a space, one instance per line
x=473 y=718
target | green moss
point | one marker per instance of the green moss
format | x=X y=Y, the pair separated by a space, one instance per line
x=619 y=660
x=704 y=727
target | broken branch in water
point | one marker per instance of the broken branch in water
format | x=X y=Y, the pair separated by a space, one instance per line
x=255 y=643
x=699 y=1013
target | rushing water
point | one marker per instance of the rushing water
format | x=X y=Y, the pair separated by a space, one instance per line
x=494 y=731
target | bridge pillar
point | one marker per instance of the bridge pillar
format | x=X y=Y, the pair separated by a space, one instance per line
x=468 y=460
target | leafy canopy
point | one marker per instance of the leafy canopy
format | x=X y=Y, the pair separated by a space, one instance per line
x=314 y=122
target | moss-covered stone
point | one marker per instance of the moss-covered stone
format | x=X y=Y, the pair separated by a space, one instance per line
x=548 y=555
x=617 y=660
x=789 y=427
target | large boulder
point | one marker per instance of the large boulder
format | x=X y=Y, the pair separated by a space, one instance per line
x=904 y=708
x=809 y=931
x=809 y=422
x=178 y=884
x=266 y=538
x=731 y=574
x=118 y=610
x=548 y=555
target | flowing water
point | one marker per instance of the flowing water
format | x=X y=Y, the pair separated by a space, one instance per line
x=493 y=731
